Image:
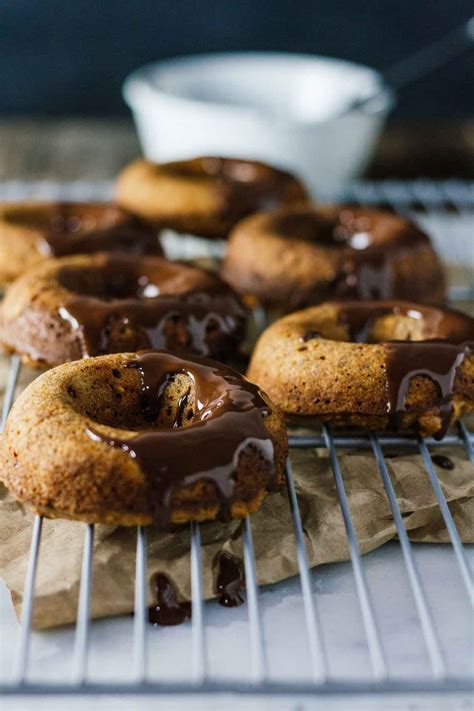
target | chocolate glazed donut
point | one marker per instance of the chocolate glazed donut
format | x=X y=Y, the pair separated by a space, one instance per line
x=381 y=365
x=205 y=196
x=89 y=305
x=143 y=438
x=34 y=231
x=300 y=256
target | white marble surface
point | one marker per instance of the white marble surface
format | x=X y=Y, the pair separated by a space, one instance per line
x=284 y=630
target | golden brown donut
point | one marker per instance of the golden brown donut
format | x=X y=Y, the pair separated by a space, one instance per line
x=92 y=304
x=205 y=196
x=30 y=232
x=300 y=256
x=381 y=365
x=142 y=438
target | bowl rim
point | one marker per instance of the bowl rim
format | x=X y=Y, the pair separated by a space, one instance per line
x=140 y=87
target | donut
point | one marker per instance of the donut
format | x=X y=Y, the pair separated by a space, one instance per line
x=92 y=304
x=296 y=257
x=388 y=365
x=204 y=196
x=143 y=438
x=30 y=232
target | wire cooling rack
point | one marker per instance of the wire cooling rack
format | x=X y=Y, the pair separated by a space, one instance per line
x=448 y=208
x=437 y=677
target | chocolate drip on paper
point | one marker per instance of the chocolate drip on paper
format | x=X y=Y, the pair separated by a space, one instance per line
x=442 y=461
x=230 y=580
x=167 y=610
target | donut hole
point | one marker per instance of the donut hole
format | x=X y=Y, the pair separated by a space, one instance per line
x=106 y=398
x=65 y=217
x=381 y=322
x=347 y=227
x=369 y=323
x=326 y=229
x=109 y=282
x=118 y=277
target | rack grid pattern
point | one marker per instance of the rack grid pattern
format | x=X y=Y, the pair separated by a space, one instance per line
x=402 y=196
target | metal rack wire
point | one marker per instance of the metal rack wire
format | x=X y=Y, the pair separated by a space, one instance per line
x=379 y=679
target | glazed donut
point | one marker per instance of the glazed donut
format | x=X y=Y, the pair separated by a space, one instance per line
x=92 y=304
x=300 y=256
x=143 y=438
x=383 y=365
x=204 y=196
x=33 y=231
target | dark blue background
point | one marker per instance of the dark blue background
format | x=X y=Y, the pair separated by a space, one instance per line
x=71 y=56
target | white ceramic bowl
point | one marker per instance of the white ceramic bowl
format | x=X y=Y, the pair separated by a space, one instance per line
x=279 y=108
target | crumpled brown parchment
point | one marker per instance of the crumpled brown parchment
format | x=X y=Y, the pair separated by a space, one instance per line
x=59 y=570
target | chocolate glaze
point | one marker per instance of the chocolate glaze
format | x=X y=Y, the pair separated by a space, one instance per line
x=230 y=580
x=167 y=610
x=436 y=360
x=448 y=339
x=368 y=242
x=249 y=185
x=128 y=300
x=442 y=461
x=228 y=416
x=76 y=228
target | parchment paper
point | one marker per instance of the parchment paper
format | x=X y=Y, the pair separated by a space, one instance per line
x=58 y=575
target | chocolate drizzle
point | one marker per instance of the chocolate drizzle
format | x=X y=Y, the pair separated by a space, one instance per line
x=227 y=417
x=230 y=580
x=167 y=610
x=170 y=306
x=435 y=360
x=448 y=339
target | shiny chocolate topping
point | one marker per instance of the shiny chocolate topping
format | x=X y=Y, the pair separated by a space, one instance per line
x=130 y=304
x=448 y=337
x=227 y=416
x=76 y=228
x=251 y=185
x=367 y=242
x=230 y=580
x=167 y=610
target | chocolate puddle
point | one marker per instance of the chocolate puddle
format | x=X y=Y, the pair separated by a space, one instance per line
x=229 y=416
x=230 y=580
x=442 y=461
x=167 y=611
